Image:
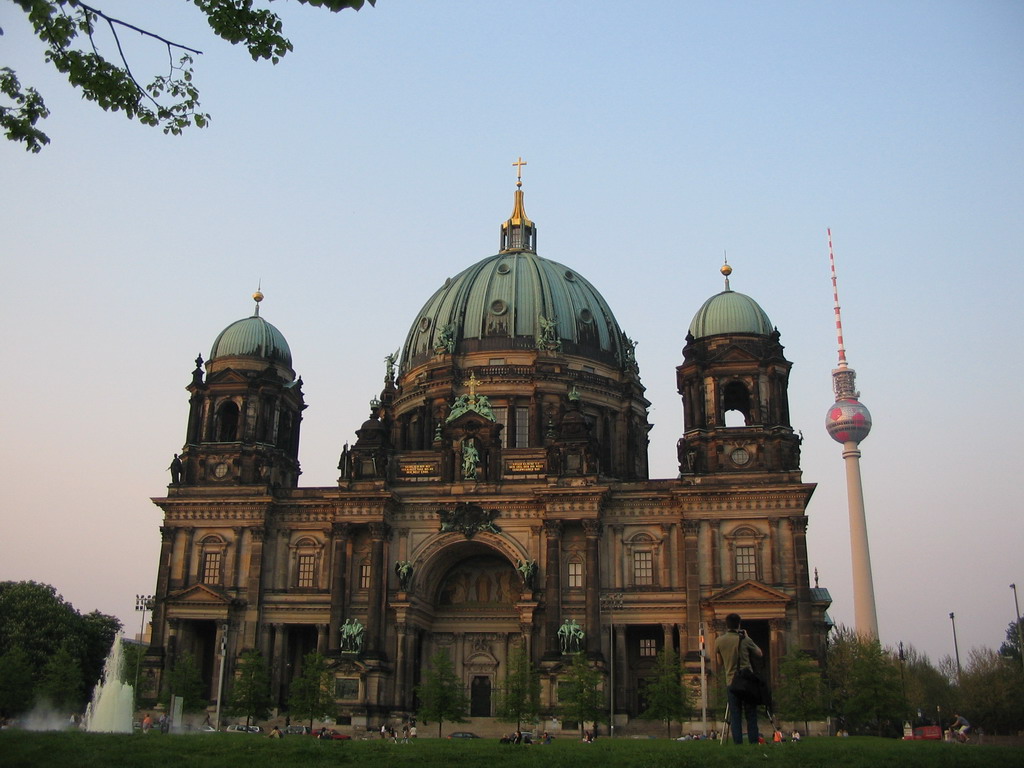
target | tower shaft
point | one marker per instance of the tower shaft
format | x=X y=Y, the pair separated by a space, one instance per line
x=865 y=617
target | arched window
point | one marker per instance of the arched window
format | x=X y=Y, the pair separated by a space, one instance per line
x=745 y=547
x=736 y=404
x=642 y=555
x=306 y=558
x=212 y=550
x=227 y=422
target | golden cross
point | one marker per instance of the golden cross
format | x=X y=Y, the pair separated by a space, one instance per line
x=471 y=383
x=519 y=170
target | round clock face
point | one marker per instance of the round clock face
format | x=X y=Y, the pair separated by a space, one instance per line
x=220 y=470
x=740 y=456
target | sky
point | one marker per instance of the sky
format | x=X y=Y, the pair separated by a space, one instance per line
x=376 y=160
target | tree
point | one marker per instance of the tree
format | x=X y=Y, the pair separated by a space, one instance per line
x=864 y=682
x=185 y=682
x=1011 y=648
x=441 y=695
x=61 y=681
x=991 y=689
x=799 y=694
x=580 y=698
x=311 y=694
x=250 y=693
x=667 y=698
x=84 y=43
x=36 y=619
x=521 y=698
x=16 y=684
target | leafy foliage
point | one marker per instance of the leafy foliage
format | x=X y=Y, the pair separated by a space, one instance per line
x=70 y=30
x=799 y=695
x=991 y=691
x=250 y=693
x=186 y=682
x=61 y=681
x=580 y=698
x=16 y=684
x=441 y=694
x=41 y=624
x=521 y=698
x=1011 y=649
x=311 y=690
x=667 y=698
x=864 y=683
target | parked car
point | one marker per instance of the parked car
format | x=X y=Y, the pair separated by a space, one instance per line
x=242 y=728
x=298 y=730
x=463 y=735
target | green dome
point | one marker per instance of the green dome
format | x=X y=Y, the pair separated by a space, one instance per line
x=498 y=304
x=252 y=337
x=730 y=312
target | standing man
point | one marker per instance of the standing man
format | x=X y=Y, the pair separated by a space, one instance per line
x=733 y=651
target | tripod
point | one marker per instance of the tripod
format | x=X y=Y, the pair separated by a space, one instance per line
x=727 y=727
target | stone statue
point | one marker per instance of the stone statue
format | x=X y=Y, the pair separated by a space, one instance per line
x=445 y=340
x=570 y=636
x=352 y=636
x=404 y=570
x=528 y=571
x=548 y=337
x=470 y=459
x=175 y=470
x=390 y=360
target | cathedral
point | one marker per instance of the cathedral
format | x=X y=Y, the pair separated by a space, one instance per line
x=496 y=498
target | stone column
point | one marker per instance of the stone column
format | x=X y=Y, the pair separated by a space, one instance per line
x=617 y=556
x=773 y=548
x=186 y=561
x=163 y=580
x=552 y=587
x=691 y=529
x=665 y=579
x=592 y=531
x=321 y=638
x=805 y=630
x=253 y=590
x=375 y=598
x=278 y=669
x=715 y=530
x=339 y=543
x=401 y=662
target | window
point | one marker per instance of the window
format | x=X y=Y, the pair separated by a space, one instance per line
x=346 y=688
x=522 y=428
x=648 y=646
x=211 y=567
x=501 y=417
x=306 y=572
x=746 y=563
x=227 y=422
x=643 y=568
x=364 y=576
x=575 y=574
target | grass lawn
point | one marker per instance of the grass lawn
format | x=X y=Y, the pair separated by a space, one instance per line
x=20 y=749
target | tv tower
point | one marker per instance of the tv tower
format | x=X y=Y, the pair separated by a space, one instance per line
x=849 y=422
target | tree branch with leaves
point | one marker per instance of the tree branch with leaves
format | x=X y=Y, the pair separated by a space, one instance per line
x=170 y=100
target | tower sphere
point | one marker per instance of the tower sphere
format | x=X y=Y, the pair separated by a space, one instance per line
x=848 y=420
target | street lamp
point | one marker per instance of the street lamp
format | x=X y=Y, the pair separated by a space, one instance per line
x=220 y=676
x=142 y=603
x=1020 y=638
x=610 y=602
x=956 y=648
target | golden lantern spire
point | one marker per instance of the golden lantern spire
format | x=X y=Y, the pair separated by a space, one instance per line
x=518 y=233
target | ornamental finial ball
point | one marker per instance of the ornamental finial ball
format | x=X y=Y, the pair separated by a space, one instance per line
x=257 y=297
x=726 y=270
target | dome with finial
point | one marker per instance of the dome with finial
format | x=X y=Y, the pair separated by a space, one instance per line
x=516 y=299
x=252 y=337
x=730 y=312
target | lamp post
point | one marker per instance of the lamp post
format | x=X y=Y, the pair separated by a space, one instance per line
x=956 y=648
x=1020 y=634
x=142 y=603
x=703 y=683
x=903 y=680
x=220 y=676
x=610 y=602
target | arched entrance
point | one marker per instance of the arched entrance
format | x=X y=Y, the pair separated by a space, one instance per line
x=473 y=592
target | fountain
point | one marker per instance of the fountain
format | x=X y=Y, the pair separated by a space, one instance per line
x=113 y=701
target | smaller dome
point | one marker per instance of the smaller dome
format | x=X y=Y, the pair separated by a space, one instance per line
x=252 y=337
x=730 y=312
x=848 y=420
